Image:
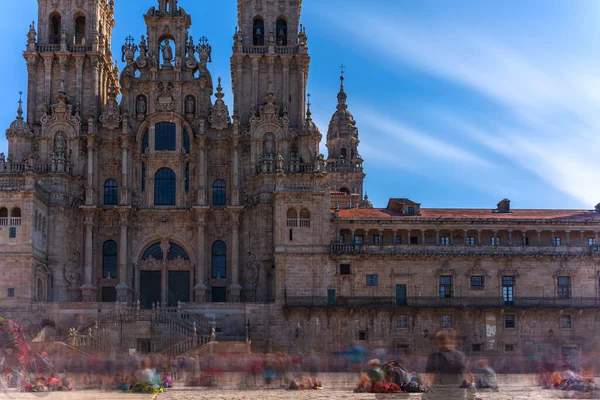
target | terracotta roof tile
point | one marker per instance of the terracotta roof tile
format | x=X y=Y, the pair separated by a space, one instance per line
x=474 y=214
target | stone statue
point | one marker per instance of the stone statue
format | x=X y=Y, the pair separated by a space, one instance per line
x=167 y=52
x=213 y=335
x=190 y=105
x=2 y=158
x=280 y=162
x=60 y=143
x=269 y=143
x=141 y=105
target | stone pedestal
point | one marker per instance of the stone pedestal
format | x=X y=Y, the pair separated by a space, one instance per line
x=122 y=292
x=74 y=294
x=88 y=293
x=234 y=293
x=200 y=291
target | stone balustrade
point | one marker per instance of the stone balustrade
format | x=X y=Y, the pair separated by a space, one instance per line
x=461 y=250
x=22 y=167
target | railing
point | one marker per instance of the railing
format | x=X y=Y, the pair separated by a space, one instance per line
x=21 y=167
x=305 y=223
x=255 y=50
x=286 y=50
x=438 y=302
x=343 y=168
x=48 y=48
x=80 y=48
x=15 y=221
x=185 y=345
x=435 y=250
x=3 y=221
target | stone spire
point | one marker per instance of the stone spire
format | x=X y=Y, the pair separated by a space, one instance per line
x=19 y=126
x=342 y=96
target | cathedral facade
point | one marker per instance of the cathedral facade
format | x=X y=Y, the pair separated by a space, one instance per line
x=141 y=188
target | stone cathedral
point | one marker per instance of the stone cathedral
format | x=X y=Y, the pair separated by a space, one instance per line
x=141 y=189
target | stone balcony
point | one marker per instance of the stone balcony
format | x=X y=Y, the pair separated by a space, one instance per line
x=438 y=302
x=461 y=250
x=22 y=167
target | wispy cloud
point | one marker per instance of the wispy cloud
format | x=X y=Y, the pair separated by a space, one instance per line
x=552 y=103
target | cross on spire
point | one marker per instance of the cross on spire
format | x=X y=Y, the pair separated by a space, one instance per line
x=342 y=70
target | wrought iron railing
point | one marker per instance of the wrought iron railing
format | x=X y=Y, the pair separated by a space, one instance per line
x=438 y=302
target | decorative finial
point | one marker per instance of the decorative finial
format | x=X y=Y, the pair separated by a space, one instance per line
x=342 y=72
x=342 y=95
x=219 y=88
x=20 y=110
x=308 y=104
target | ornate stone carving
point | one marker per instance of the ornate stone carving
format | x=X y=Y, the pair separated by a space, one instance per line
x=164 y=96
x=219 y=117
x=111 y=117
x=71 y=270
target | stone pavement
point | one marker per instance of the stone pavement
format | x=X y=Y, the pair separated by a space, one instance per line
x=76 y=395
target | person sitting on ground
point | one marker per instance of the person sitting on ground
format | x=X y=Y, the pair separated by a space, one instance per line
x=487 y=376
x=145 y=373
x=375 y=373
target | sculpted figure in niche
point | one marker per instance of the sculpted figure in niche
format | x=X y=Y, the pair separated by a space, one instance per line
x=167 y=52
x=60 y=143
x=269 y=144
x=190 y=105
x=141 y=105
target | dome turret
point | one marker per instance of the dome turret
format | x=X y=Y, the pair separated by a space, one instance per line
x=19 y=126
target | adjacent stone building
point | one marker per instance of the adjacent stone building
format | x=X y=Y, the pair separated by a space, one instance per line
x=163 y=198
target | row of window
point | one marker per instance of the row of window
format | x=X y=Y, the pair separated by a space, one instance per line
x=294 y=219
x=258 y=32
x=446 y=284
x=165 y=188
x=39 y=222
x=12 y=222
x=55 y=28
x=446 y=241
x=510 y=321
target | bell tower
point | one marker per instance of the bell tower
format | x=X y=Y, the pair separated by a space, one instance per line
x=270 y=54
x=344 y=163
x=70 y=55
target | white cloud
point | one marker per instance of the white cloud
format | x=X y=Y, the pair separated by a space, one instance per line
x=552 y=103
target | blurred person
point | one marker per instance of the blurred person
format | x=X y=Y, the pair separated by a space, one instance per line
x=448 y=366
x=375 y=373
x=356 y=356
x=145 y=373
x=487 y=376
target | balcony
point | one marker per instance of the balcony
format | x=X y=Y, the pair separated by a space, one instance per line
x=439 y=250
x=437 y=302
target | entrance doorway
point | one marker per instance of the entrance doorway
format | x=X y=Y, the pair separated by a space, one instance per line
x=149 y=288
x=219 y=294
x=179 y=287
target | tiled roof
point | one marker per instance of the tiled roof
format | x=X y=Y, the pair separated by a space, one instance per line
x=473 y=214
x=337 y=193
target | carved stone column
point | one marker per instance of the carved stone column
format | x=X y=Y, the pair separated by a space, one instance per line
x=32 y=82
x=235 y=288
x=164 y=246
x=239 y=62
x=437 y=237
x=48 y=60
x=201 y=288
x=122 y=288
x=423 y=237
x=408 y=233
x=88 y=289
x=235 y=174
x=79 y=60
x=539 y=237
x=202 y=171
x=95 y=64
x=510 y=237
x=125 y=147
x=255 y=80
x=286 y=81
x=478 y=237
x=90 y=192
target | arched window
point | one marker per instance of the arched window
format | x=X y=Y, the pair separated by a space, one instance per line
x=258 y=32
x=292 y=217
x=344 y=155
x=109 y=259
x=154 y=251
x=111 y=191
x=40 y=290
x=145 y=142
x=304 y=218
x=219 y=259
x=282 y=32
x=16 y=213
x=55 y=28
x=165 y=136
x=344 y=190
x=186 y=142
x=176 y=251
x=219 y=193
x=80 y=30
x=3 y=217
x=165 y=185
x=167 y=6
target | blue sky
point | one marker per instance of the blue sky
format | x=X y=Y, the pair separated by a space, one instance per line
x=458 y=103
